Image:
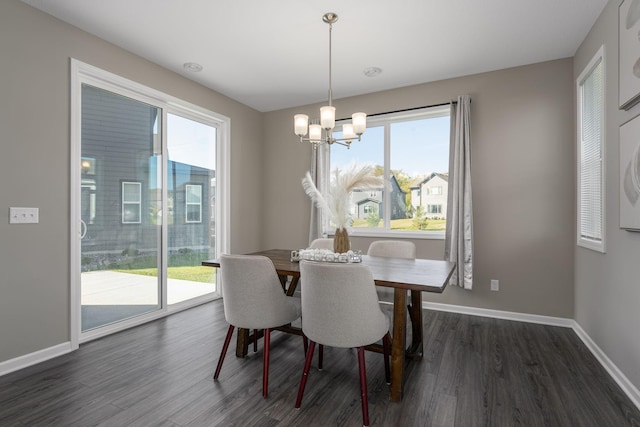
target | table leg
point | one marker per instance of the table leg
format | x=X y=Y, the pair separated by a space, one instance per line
x=242 y=343
x=415 y=350
x=292 y=286
x=398 y=343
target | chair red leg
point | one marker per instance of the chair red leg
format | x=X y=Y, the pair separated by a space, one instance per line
x=385 y=346
x=363 y=387
x=265 y=367
x=305 y=342
x=224 y=351
x=320 y=357
x=255 y=340
x=305 y=373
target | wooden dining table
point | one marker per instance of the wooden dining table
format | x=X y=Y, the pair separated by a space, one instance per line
x=414 y=275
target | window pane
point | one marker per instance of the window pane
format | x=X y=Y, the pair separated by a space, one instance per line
x=416 y=172
x=191 y=205
x=366 y=206
x=194 y=193
x=130 y=192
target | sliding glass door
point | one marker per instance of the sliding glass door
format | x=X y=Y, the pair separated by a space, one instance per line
x=191 y=202
x=150 y=179
x=121 y=197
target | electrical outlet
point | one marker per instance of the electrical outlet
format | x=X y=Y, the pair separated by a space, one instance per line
x=23 y=215
x=495 y=285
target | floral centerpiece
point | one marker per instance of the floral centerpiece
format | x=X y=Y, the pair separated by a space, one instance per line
x=336 y=204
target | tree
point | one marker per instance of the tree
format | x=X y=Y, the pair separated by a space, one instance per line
x=420 y=220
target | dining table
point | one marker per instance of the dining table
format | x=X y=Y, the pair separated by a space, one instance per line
x=412 y=276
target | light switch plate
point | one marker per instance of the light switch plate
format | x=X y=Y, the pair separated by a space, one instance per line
x=23 y=215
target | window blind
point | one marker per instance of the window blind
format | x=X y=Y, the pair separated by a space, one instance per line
x=591 y=121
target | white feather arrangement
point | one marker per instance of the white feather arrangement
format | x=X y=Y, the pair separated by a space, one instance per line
x=336 y=203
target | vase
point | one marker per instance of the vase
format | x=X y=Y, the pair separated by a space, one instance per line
x=341 y=242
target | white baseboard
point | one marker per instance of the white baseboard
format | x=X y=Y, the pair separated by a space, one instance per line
x=498 y=314
x=627 y=387
x=21 y=362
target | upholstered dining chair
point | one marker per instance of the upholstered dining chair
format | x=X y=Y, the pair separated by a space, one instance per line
x=391 y=249
x=340 y=309
x=322 y=243
x=253 y=299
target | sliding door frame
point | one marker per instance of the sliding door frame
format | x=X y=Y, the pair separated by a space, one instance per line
x=82 y=73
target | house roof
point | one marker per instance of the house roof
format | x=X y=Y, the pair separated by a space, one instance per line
x=423 y=180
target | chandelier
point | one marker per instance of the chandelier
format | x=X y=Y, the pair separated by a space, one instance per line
x=322 y=133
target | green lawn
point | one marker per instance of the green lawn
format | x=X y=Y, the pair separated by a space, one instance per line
x=193 y=273
x=406 y=224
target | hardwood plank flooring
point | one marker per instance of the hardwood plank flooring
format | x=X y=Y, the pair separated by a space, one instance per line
x=476 y=372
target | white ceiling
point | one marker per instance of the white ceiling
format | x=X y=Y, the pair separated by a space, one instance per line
x=274 y=54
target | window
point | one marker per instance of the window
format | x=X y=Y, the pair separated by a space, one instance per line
x=406 y=148
x=193 y=200
x=131 y=202
x=590 y=140
x=434 y=209
x=435 y=191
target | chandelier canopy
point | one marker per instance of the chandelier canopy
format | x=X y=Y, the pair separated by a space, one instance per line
x=322 y=132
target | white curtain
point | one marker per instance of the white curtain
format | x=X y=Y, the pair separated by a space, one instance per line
x=459 y=234
x=319 y=158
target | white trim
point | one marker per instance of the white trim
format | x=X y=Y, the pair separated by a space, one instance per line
x=627 y=387
x=499 y=314
x=39 y=356
x=82 y=73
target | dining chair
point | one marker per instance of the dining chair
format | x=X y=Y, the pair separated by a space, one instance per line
x=322 y=243
x=340 y=309
x=253 y=299
x=391 y=249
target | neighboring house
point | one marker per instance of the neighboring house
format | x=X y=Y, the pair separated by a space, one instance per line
x=431 y=193
x=369 y=201
x=126 y=209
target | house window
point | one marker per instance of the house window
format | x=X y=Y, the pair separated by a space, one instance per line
x=405 y=148
x=435 y=191
x=193 y=200
x=434 y=209
x=590 y=141
x=131 y=202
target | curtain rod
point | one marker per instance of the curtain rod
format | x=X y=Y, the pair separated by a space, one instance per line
x=412 y=109
x=407 y=109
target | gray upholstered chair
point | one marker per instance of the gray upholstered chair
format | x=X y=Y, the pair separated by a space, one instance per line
x=253 y=299
x=322 y=243
x=391 y=249
x=340 y=309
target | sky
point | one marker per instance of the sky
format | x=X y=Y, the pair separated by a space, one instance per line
x=418 y=147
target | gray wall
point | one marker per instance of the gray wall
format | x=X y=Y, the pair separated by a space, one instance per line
x=607 y=286
x=523 y=183
x=34 y=166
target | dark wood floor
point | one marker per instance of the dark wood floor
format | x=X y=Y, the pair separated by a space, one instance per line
x=476 y=372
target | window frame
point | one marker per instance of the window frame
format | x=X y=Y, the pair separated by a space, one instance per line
x=128 y=202
x=187 y=204
x=581 y=235
x=386 y=120
x=83 y=73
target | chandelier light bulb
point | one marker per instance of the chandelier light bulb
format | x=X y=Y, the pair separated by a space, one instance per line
x=301 y=124
x=315 y=132
x=347 y=132
x=328 y=117
x=359 y=121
